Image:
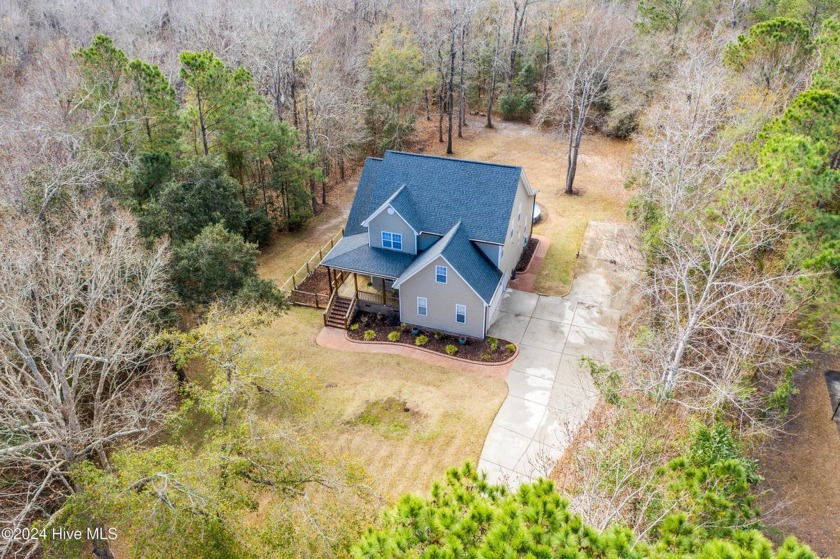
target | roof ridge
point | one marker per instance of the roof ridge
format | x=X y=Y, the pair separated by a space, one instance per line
x=452 y=159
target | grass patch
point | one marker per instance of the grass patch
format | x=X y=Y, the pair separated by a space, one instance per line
x=391 y=415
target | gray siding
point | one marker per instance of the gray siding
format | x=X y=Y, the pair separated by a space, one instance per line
x=491 y=251
x=425 y=240
x=521 y=229
x=392 y=223
x=442 y=299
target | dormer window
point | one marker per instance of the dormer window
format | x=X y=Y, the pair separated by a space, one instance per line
x=391 y=240
x=440 y=274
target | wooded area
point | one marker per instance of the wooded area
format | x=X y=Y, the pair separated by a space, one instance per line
x=148 y=150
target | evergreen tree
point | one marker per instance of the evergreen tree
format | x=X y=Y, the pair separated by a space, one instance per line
x=396 y=85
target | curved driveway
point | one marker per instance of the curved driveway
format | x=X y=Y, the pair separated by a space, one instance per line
x=550 y=392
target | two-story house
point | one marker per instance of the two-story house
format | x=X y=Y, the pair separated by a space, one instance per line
x=438 y=237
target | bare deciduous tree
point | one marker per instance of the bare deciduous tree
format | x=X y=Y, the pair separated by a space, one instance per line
x=78 y=299
x=590 y=48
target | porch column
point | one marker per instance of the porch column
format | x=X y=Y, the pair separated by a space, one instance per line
x=356 y=284
x=329 y=279
x=384 y=293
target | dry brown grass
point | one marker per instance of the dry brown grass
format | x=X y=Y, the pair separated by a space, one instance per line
x=289 y=251
x=456 y=409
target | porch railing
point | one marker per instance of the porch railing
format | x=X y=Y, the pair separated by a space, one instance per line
x=380 y=298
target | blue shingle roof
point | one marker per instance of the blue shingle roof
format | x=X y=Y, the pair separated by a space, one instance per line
x=359 y=210
x=472 y=265
x=353 y=253
x=457 y=199
x=442 y=191
x=468 y=262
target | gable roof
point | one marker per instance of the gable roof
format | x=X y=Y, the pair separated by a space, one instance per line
x=407 y=208
x=456 y=248
x=435 y=193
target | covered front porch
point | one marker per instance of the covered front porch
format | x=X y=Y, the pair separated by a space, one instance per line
x=362 y=277
x=353 y=291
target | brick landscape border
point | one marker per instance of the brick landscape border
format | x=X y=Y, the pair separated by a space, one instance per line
x=334 y=338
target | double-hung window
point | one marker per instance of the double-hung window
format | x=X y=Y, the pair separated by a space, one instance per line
x=440 y=274
x=391 y=240
x=422 y=306
x=461 y=314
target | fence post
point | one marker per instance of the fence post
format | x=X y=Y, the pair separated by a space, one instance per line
x=320 y=255
x=294 y=283
x=307 y=268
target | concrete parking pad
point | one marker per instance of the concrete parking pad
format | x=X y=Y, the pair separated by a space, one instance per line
x=509 y=326
x=545 y=334
x=537 y=362
x=588 y=342
x=556 y=309
x=551 y=392
x=531 y=388
x=519 y=302
x=520 y=416
x=599 y=318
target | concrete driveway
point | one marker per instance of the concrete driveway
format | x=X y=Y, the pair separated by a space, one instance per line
x=551 y=392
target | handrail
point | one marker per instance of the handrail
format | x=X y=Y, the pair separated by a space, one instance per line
x=349 y=314
x=329 y=305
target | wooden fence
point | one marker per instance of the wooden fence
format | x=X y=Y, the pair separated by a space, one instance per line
x=306 y=298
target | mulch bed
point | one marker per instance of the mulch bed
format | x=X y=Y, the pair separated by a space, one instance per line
x=527 y=255
x=316 y=282
x=475 y=349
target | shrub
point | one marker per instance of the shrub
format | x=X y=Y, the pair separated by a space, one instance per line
x=438 y=334
x=486 y=357
x=369 y=335
x=394 y=336
x=451 y=349
x=515 y=106
x=510 y=347
x=494 y=344
x=421 y=340
x=403 y=327
x=354 y=326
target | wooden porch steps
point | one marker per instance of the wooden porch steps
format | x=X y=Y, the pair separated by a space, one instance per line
x=339 y=313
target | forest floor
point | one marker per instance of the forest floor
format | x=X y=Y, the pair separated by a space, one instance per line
x=802 y=465
x=448 y=422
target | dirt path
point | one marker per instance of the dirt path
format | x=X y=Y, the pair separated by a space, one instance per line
x=802 y=468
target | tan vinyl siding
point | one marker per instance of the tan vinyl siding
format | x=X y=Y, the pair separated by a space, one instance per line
x=521 y=229
x=442 y=299
x=392 y=223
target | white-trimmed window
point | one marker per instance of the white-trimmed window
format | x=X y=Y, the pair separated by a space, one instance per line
x=501 y=253
x=519 y=217
x=461 y=314
x=391 y=240
x=440 y=274
x=422 y=306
